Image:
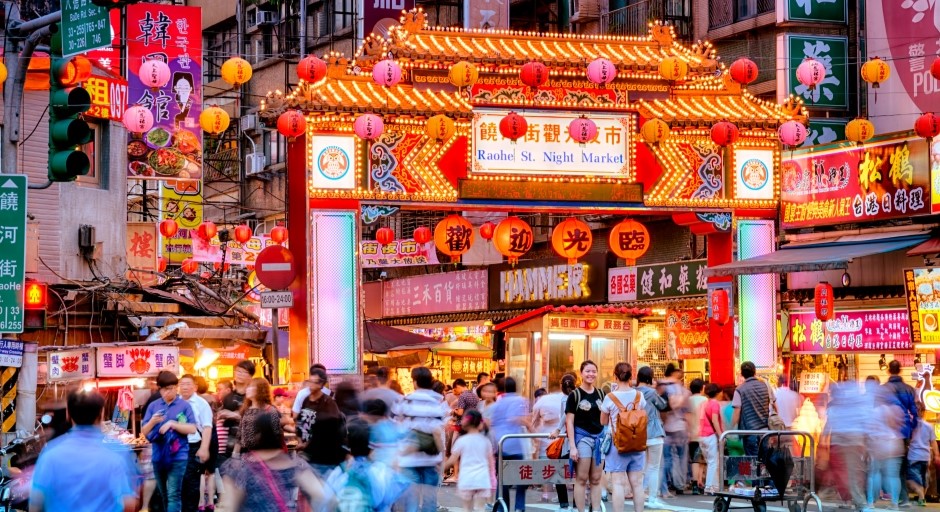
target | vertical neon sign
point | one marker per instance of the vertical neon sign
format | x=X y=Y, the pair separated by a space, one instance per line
x=757 y=296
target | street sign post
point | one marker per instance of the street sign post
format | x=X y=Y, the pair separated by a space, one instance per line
x=12 y=251
x=275 y=269
x=85 y=26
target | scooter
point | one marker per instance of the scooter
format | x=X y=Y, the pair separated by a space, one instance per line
x=16 y=478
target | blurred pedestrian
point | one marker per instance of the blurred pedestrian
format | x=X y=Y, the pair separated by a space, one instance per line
x=347 y=399
x=510 y=416
x=921 y=454
x=383 y=390
x=199 y=443
x=902 y=395
x=267 y=479
x=697 y=458
x=624 y=467
x=709 y=432
x=884 y=442
x=473 y=453
x=546 y=415
x=422 y=415
x=584 y=429
x=655 y=435
x=80 y=472
x=569 y=382
x=166 y=424
x=676 y=425
x=788 y=401
x=257 y=409
x=232 y=404
x=321 y=427
x=383 y=433
x=847 y=427
x=751 y=405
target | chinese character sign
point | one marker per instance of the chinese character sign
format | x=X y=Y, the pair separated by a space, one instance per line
x=832 y=52
x=435 y=293
x=108 y=97
x=400 y=253
x=874 y=330
x=872 y=182
x=137 y=361
x=922 y=287
x=142 y=250
x=682 y=279
x=235 y=253
x=71 y=365
x=173 y=147
x=182 y=202
x=687 y=333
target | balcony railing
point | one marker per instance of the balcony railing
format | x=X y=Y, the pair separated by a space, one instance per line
x=633 y=20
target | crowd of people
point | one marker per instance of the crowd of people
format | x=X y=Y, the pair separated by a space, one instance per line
x=628 y=437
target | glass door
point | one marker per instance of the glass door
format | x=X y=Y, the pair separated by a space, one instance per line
x=607 y=352
x=565 y=352
x=517 y=361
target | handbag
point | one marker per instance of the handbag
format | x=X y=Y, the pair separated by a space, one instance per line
x=774 y=422
x=556 y=448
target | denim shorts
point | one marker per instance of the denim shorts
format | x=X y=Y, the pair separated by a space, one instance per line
x=616 y=462
x=917 y=472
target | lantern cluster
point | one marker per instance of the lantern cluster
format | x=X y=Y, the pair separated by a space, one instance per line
x=792 y=133
x=743 y=71
x=513 y=238
x=463 y=75
x=534 y=74
x=138 y=119
x=572 y=239
x=453 y=236
x=673 y=69
x=384 y=236
x=513 y=126
x=927 y=126
x=278 y=234
x=629 y=240
x=311 y=69
x=440 y=128
x=655 y=131
x=236 y=71
x=291 y=124
x=368 y=126
x=154 y=73
x=214 y=120
x=582 y=130
x=724 y=133
x=386 y=73
x=601 y=72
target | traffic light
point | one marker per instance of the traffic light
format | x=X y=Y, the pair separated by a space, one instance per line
x=34 y=305
x=66 y=130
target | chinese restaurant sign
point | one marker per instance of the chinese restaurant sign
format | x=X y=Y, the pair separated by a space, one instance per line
x=72 y=365
x=173 y=147
x=435 y=293
x=182 y=202
x=922 y=286
x=869 y=330
x=235 y=253
x=399 y=253
x=137 y=361
x=872 y=182
x=541 y=282
x=687 y=333
x=589 y=323
x=833 y=53
x=142 y=252
x=547 y=148
x=659 y=281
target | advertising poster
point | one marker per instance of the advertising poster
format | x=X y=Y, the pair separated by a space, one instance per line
x=906 y=34
x=435 y=293
x=687 y=333
x=871 y=330
x=136 y=361
x=172 y=149
x=235 y=253
x=142 y=252
x=181 y=201
x=873 y=182
x=400 y=253
x=833 y=53
x=922 y=286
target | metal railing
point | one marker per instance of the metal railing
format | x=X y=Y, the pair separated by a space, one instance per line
x=633 y=20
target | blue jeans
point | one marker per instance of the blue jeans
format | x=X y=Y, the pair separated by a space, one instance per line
x=750 y=445
x=422 y=496
x=170 y=484
x=884 y=473
x=675 y=462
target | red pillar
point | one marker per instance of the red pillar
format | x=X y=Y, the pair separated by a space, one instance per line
x=720 y=248
x=297 y=219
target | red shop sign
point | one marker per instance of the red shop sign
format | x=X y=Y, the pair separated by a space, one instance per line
x=687 y=330
x=870 y=330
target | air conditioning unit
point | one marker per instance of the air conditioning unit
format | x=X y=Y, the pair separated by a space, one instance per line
x=267 y=17
x=249 y=122
x=254 y=163
x=322 y=24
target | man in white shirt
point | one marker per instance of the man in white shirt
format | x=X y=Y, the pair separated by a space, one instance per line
x=788 y=401
x=198 y=442
x=304 y=392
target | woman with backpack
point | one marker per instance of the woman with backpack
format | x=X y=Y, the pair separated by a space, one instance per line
x=585 y=435
x=624 y=409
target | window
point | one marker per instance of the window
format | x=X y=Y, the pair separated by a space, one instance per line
x=744 y=9
x=220 y=45
x=344 y=12
x=275 y=147
x=96 y=149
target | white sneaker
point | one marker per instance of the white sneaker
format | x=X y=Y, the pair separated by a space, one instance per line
x=655 y=503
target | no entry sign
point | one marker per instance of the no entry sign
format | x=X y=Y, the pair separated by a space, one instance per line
x=275 y=267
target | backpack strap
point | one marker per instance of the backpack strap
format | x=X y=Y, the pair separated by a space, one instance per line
x=636 y=401
x=618 y=403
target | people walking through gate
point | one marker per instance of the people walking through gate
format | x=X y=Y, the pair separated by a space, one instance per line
x=903 y=396
x=199 y=442
x=624 y=467
x=751 y=404
x=78 y=471
x=166 y=424
x=473 y=454
x=655 y=435
x=510 y=415
x=584 y=429
x=421 y=415
x=709 y=432
x=921 y=453
x=676 y=425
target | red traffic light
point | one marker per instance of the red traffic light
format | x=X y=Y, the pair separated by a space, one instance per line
x=71 y=71
x=35 y=296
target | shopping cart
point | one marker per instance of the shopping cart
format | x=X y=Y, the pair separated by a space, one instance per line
x=761 y=479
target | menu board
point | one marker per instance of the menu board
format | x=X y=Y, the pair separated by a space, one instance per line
x=922 y=288
x=866 y=330
x=687 y=333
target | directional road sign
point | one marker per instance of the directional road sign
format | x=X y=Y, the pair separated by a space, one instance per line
x=85 y=26
x=275 y=267
x=12 y=251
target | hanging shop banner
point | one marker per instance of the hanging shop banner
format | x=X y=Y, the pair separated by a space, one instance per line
x=468 y=367
x=589 y=323
x=906 y=35
x=547 y=148
x=444 y=292
x=182 y=202
x=108 y=97
x=687 y=333
x=137 y=361
x=536 y=283
x=922 y=286
x=399 y=253
x=869 y=330
x=72 y=365
x=173 y=147
x=659 y=281
x=621 y=284
x=876 y=181
x=832 y=52
x=141 y=254
x=235 y=253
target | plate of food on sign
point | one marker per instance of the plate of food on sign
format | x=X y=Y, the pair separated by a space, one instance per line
x=161 y=153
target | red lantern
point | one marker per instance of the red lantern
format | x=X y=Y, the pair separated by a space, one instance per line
x=190 y=266
x=278 y=234
x=629 y=240
x=168 y=228
x=582 y=130
x=513 y=126
x=572 y=239
x=935 y=69
x=385 y=236
x=242 y=233
x=513 y=238
x=423 y=235
x=291 y=124
x=824 y=301
x=311 y=69
x=217 y=265
x=487 y=229
x=720 y=313
x=207 y=230
x=743 y=71
x=927 y=126
x=453 y=236
x=724 y=133
x=161 y=264
x=534 y=74
x=154 y=73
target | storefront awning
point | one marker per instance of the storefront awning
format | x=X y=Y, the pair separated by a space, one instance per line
x=814 y=256
x=379 y=339
x=928 y=248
